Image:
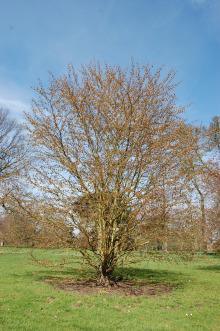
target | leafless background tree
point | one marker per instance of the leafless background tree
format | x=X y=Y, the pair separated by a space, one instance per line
x=12 y=155
x=11 y=147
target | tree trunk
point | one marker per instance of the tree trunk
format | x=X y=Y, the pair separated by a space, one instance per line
x=104 y=280
x=203 y=245
x=165 y=246
x=105 y=275
x=106 y=258
x=203 y=224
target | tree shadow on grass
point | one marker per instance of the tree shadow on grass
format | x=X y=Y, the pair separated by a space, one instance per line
x=42 y=274
x=153 y=276
x=214 y=257
x=215 y=268
x=148 y=276
x=131 y=281
x=74 y=273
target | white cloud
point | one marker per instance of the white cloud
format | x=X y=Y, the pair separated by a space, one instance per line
x=13 y=97
x=14 y=105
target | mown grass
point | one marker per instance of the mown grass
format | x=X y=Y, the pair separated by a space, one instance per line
x=27 y=302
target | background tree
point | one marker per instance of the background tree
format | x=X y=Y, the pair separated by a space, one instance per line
x=171 y=205
x=13 y=161
x=12 y=152
x=11 y=146
x=213 y=134
x=212 y=179
x=30 y=221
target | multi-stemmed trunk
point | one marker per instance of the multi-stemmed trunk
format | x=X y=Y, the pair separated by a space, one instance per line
x=108 y=252
x=105 y=275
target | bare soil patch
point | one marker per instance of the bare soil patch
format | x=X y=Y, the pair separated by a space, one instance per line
x=128 y=288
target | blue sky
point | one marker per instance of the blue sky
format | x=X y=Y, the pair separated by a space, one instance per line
x=37 y=36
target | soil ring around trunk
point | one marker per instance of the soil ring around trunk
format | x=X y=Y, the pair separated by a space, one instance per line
x=127 y=288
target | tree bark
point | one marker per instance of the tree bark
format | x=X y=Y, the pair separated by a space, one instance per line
x=203 y=217
x=105 y=276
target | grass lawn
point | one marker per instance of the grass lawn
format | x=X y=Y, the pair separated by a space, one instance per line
x=27 y=302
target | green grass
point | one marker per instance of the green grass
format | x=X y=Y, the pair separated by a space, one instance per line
x=27 y=302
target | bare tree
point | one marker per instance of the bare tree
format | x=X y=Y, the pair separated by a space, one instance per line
x=13 y=161
x=172 y=196
x=11 y=146
x=30 y=220
x=13 y=151
x=213 y=134
x=101 y=139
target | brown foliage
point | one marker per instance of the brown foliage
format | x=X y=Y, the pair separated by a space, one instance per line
x=101 y=140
